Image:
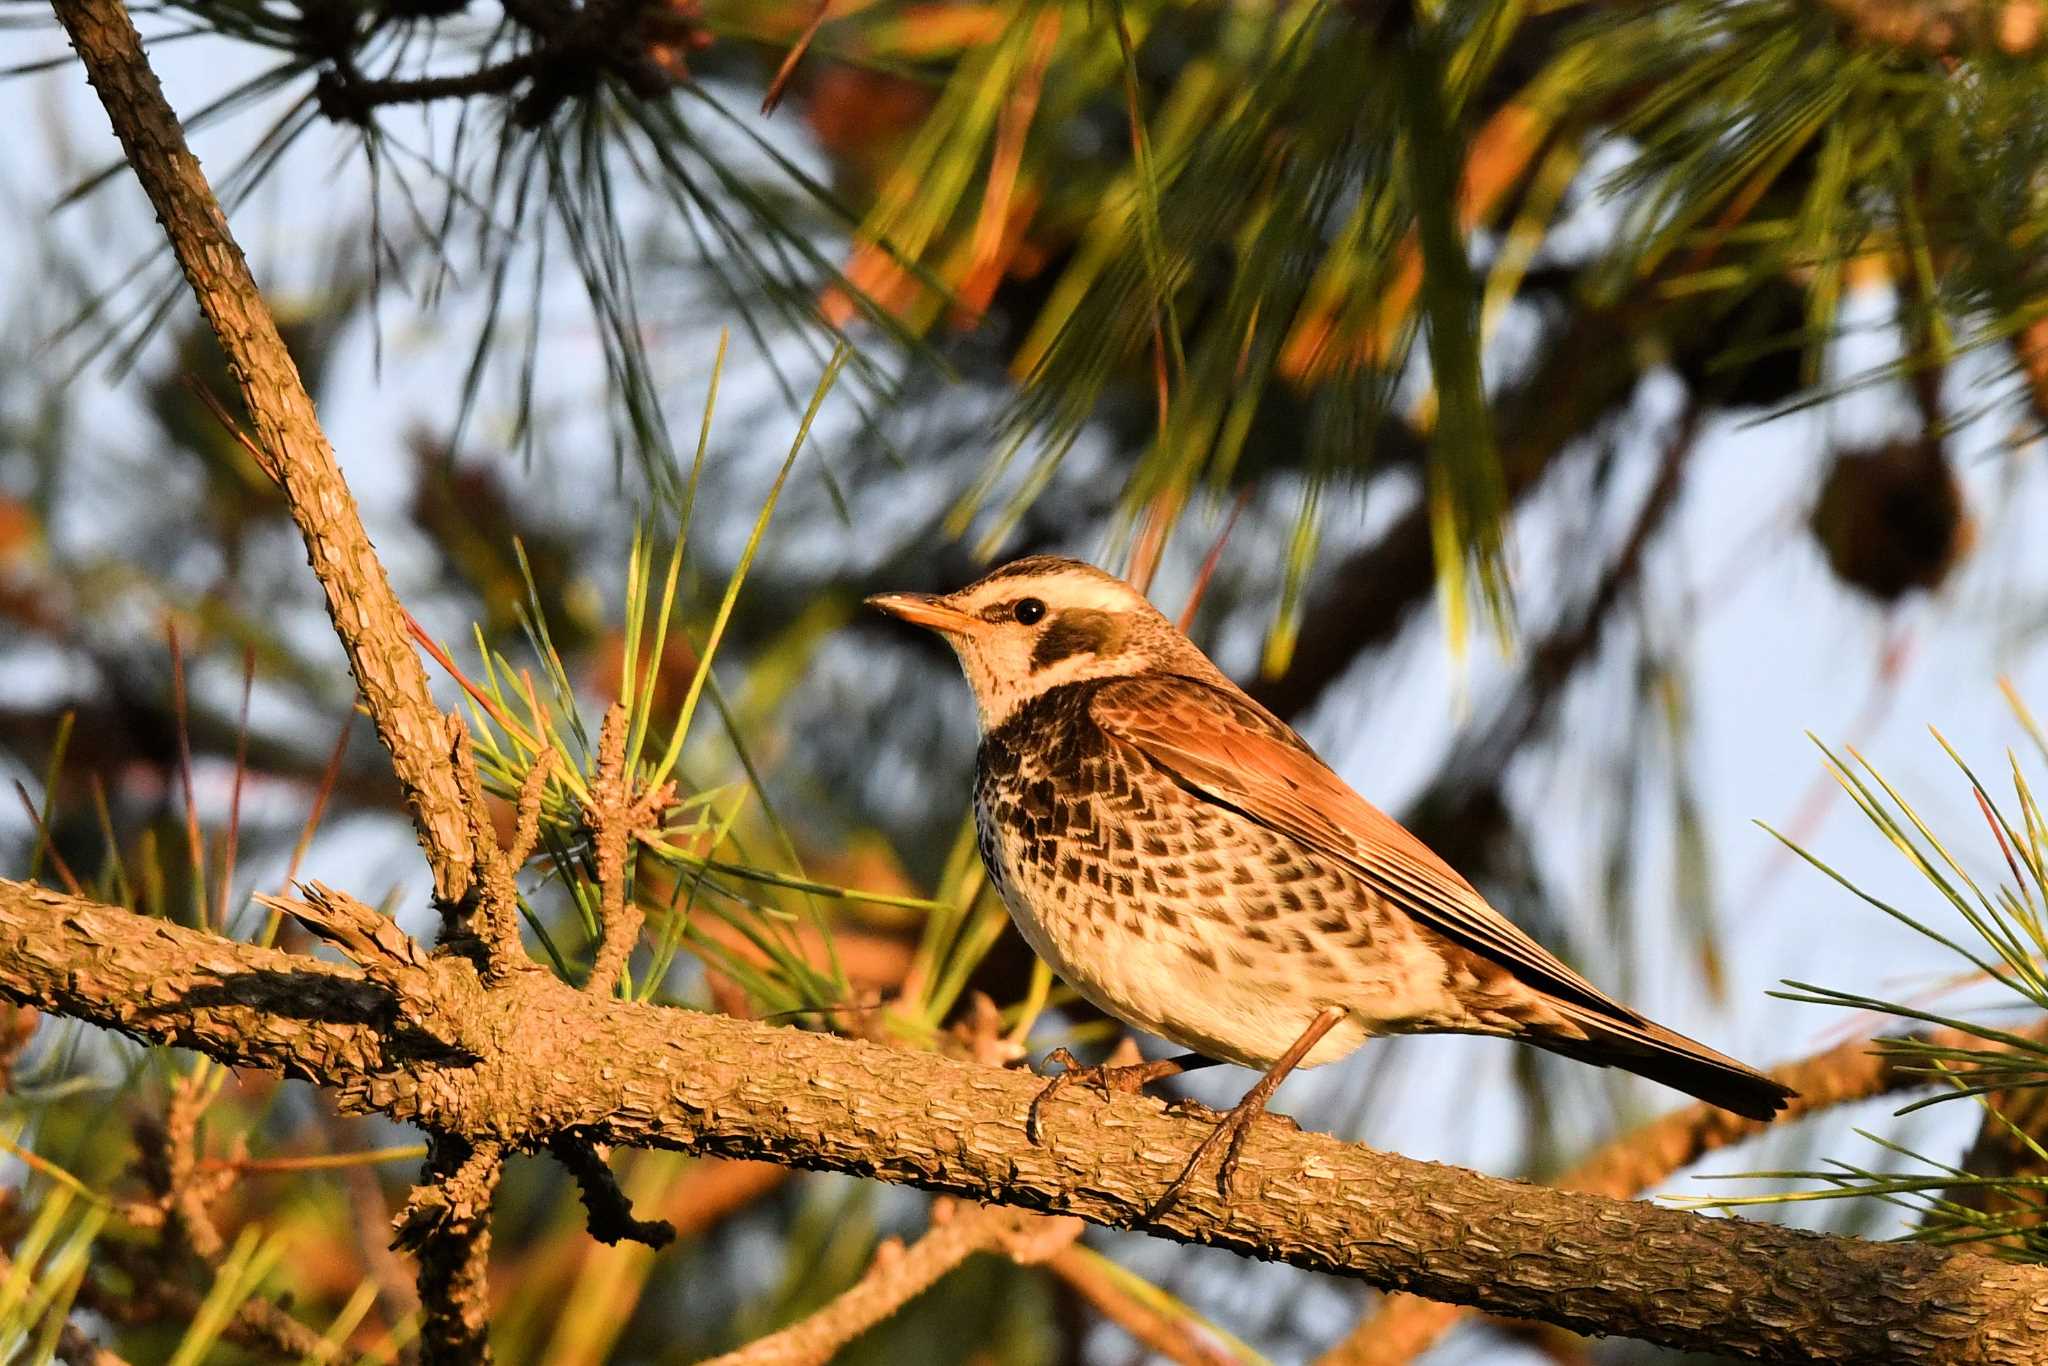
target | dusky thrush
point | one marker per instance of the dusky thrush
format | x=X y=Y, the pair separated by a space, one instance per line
x=1182 y=858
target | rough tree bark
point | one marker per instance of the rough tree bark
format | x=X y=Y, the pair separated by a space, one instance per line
x=492 y=1054
x=1401 y=1328
x=365 y=612
x=422 y=1039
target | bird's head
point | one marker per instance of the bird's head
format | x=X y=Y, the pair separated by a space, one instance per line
x=1041 y=622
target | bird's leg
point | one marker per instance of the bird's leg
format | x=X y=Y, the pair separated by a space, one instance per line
x=1126 y=1080
x=1233 y=1127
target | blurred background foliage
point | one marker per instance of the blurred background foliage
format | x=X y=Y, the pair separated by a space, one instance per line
x=1572 y=399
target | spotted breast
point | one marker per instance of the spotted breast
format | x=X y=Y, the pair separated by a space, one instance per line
x=1187 y=919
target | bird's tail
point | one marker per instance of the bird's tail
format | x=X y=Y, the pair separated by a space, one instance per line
x=1663 y=1055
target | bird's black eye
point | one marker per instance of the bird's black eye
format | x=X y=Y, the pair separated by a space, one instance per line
x=1029 y=611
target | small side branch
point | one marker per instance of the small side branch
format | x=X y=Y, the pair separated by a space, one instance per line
x=899 y=1274
x=611 y=1213
x=485 y=924
x=615 y=814
x=349 y=98
x=182 y=1190
x=388 y=956
x=644 y=46
x=446 y=1224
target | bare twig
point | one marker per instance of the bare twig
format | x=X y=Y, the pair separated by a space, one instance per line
x=346 y=97
x=385 y=954
x=644 y=45
x=187 y=1194
x=899 y=1274
x=183 y=1188
x=494 y=944
x=619 y=916
x=611 y=1213
x=710 y=1191
x=526 y=815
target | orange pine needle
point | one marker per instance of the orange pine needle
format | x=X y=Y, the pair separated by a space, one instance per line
x=462 y=680
x=783 y=73
x=1211 y=560
x=49 y=842
x=233 y=428
x=227 y=862
x=195 y=844
x=1998 y=833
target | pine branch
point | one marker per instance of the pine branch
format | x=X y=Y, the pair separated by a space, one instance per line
x=360 y=602
x=446 y=1224
x=1402 y=1327
x=899 y=1274
x=513 y=1066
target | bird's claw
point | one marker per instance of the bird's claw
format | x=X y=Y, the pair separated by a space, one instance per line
x=1070 y=1071
x=1232 y=1128
x=1187 y=1107
x=1126 y=1080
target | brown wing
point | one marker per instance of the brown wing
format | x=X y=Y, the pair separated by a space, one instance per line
x=1232 y=751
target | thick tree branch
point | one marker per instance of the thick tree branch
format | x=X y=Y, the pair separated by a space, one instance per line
x=515 y=1066
x=366 y=615
x=1402 y=1327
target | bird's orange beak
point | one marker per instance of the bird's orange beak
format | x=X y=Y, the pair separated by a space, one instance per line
x=924 y=609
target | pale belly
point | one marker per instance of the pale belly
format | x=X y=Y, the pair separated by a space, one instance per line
x=1208 y=930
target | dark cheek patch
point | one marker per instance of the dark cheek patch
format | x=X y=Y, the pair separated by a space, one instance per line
x=1077 y=632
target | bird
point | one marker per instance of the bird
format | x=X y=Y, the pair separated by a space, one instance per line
x=1188 y=864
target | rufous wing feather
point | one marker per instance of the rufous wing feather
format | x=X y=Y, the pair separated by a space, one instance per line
x=1220 y=743
x=1239 y=754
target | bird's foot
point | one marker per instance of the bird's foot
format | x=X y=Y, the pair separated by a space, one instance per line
x=1187 y=1107
x=1230 y=1131
x=1126 y=1080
